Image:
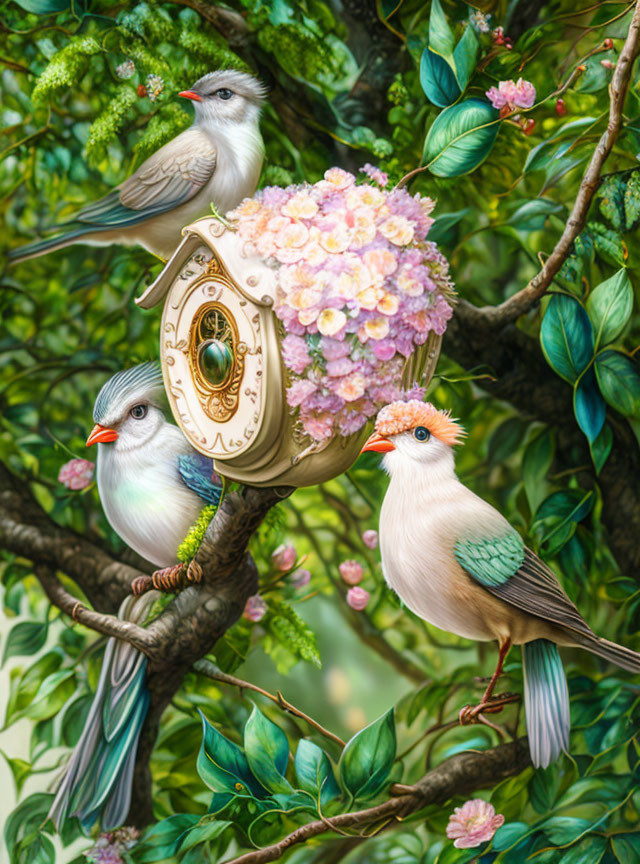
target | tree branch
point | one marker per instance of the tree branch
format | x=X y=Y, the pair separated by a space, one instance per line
x=506 y=312
x=459 y=775
x=206 y=667
x=109 y=625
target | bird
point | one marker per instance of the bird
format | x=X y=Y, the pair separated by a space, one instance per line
x=152 y=487
x=456 y=562
x=217 y=161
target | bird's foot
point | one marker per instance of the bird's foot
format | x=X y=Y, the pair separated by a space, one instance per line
x=472 y=713
x=140 y=585
x=170 y=579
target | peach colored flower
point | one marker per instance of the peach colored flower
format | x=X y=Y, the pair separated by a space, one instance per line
x=278 y=223
x=380 y=262
x=388 y=305
x=351 y=387
x=473 y=824
x=265 y=244
x=248 y=207
x=336 y=240
x=338 y=178
x=296 y=276
x=331 y=321
x=292 y=236
x=308 y=316
x=304 y=298
x=378 y=328
x=397 y=230
x=370 y=297
x=408 y=285
x=366 y=194
x=288 y=255
x=301 y=206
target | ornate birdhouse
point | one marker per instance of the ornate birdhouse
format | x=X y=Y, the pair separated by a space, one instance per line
x=242 y=382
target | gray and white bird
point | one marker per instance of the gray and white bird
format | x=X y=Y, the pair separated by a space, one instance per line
x=216 y=161
x=152 y=486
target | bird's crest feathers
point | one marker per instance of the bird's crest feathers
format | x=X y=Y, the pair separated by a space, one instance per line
x=398 y=417
x=143 y=382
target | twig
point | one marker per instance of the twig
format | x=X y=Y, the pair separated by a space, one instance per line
x=459 y=775
x=206 y=667
x=109 y=625
x=522 y=301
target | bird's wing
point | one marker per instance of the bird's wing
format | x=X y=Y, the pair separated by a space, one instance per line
x=508 y=570
x=168 y=178
x=197 y=473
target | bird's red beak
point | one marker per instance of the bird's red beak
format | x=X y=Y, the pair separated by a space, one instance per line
x=101 y=435
x=378 y=443
x=189 y=94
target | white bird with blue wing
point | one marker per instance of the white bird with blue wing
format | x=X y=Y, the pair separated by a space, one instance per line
x=152 y=487
x=217 y=161
x=457 y=563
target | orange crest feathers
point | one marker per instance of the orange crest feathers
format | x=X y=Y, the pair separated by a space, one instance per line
x=402 y=416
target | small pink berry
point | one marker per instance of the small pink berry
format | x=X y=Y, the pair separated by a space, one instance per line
x=284 y=557
x=561 y=108
x=608 y=43
x=141 y=90
x=358 y=598
x=351 y=572
x=299 y=578
x=255 y=608
x=76 y=474
x=607 y=64
x=370 y=539
x=529 y=126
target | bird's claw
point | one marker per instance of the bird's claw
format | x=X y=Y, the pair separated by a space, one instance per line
x=170 y=578
x=473 y=713
x=140 y=585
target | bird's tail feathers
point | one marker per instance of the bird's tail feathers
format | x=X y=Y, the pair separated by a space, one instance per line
x=41 y=247
x=611 y=651
x=97 y=780
x=546 y=698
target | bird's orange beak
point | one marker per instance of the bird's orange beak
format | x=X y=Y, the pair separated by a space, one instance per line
x=189 y=94
x=378 y=443
x=101 y=435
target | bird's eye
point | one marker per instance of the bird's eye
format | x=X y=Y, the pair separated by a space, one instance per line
x=138 y=412
x=422 y=433
x=224 y=93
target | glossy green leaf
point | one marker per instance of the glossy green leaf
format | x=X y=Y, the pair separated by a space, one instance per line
x=437 y=79
x=566 y=337
x=601 y=448
x=588 y=405
x=564 y=829
x=609 y=307
x=25 y=819
x=206 y=829
x=53 y=694
x=626 y=847
x=508 y=835
x=532 y=215
x=590 y=850
x=441 y=38
x=44 y=7
x=573 y=504
x=444 y=229
x=464 y=57
x=314 y=772
x=632 y=201
x=25 y=638
x=366 y=760
x=619 y=382
x=267 y=751
x=460 y=138
x=608 y=244
x=161 y=840
x=536 y=462
x=223 y=766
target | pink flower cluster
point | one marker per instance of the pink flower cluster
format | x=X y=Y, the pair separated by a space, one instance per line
x=510 y=95
x=76 y=474
x=359 y=287
x=111 y=847
x=473 y=824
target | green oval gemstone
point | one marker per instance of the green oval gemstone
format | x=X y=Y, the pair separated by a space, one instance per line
x=215 y=360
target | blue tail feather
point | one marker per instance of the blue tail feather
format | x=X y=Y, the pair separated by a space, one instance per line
x=546 y=698
x=40 y=247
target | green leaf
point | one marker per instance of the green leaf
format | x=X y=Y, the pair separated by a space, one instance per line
x=206 y=829
x=601 y=448
x=619 y=382
x=26 y=818
x=632 y=201
x=25 y=638
x=285 y=625
x=588 y=405
x=612 y=201
x=532 y=215
x=161 y=841
x=367 y=759
x=464 y=57
x=564 y=829
x=442 y=231
x=460 y=138
x=508 y=835
x=437 y=79
x=589 y=850
x=536 y=462
x=314 y=772
x=441 y=38
x=53 y=694
x=609 y=307
x=223 y=766
x=45 y=7
x=626 y=847
x=566 y=337
x=267 y=751
x=608 y=244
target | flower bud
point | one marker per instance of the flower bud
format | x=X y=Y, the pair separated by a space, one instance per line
x=255 y=608
x=299 y=578
x=358 y=598
x=608 y=43
x=351 y=572
x=370 y=539
x=284 y=557
x=561 y=108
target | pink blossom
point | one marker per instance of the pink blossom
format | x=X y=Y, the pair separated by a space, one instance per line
x=375 y=173
x=473 y=824
x=370 y=538
x=358 y=598
x=300 y=577
x=76 y=474
x=294 y=353
x=510 y=95
x=109 y=845
x=255 y=608
x=299 y=391
x=284 y=557
x=351 y=572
